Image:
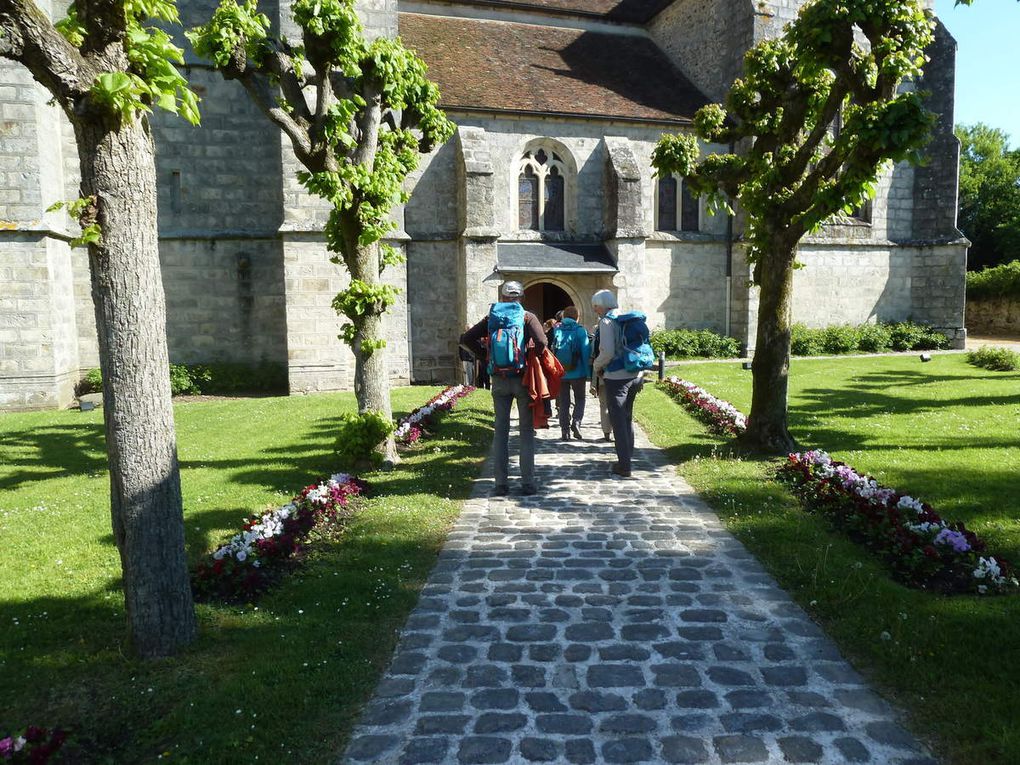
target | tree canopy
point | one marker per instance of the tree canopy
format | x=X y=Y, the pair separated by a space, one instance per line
x=816 y=115
x=989 y=195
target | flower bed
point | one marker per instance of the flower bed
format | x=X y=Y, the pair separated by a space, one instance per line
x=34 y=744
x=247 y=564
x=922 y=549
x=721 y=416
x=414 y=426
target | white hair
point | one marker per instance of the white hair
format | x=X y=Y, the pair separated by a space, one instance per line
x=604 y=299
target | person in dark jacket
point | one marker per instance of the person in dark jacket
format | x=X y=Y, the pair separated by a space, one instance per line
x=571 y=346
x=505 y=390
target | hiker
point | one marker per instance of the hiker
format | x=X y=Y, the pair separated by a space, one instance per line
x=469 y=362
x=509 y=329
x=598 y=388
x=623 y=354
x=570 y=345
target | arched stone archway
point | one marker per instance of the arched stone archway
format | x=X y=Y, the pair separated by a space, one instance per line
x=544 y=298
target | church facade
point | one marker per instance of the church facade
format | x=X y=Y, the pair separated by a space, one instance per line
x=548 y=180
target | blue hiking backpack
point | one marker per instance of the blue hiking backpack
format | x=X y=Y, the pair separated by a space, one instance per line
x=635 y=354
x=506 y=339
x=565 y=345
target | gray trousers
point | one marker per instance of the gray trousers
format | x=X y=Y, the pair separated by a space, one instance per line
x=604 y=421
x=620 y=396
x=578 y=389
x=504 y=391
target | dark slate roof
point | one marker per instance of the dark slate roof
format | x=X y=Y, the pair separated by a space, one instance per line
x=632 y=11
x=508 y=66
x=553 y=257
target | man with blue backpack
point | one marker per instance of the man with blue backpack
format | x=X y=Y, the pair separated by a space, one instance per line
x=623 y=354
x=509 y=328
x=570 y=346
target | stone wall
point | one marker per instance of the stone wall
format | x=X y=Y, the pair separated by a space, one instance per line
x=685 y=284
x=994 y=316
x=435 y=324
x=318 y=360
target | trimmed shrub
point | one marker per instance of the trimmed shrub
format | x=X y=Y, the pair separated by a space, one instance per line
x=996 y=359
x=805 y=341
x=864 y=338
x=693 y=344
x=209 y=379
x=997 y=282
x=357 y=437
x=874 y=338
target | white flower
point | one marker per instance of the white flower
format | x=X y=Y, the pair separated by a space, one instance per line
x=909 y=503
x=241 y=555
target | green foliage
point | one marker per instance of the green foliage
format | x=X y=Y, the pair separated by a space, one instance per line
x=82 y=210
x=359 y=300
x=996 y=359
x=996 y=282
x=181 y=383
x=151 y=77
x=865 y=338
x=690 y=344
x=798 y=171
x=209 y=379
x=358 y=435
x=989 y=195
x=359 y=172
x=233 y=26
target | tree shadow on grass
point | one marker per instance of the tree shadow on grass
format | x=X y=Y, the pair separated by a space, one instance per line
x=52 y=451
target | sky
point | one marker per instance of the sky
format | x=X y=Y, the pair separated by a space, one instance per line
x=987 y=62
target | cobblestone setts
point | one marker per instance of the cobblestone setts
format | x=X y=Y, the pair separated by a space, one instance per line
x=609 y=620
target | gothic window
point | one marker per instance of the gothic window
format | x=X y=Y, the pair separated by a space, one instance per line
x=541 y=191
x=676 y=208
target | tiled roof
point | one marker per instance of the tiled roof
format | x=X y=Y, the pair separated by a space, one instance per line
x=635 y=11
x=553 y=257
x=505 y=66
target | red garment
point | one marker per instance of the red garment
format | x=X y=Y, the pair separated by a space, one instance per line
x=542 y=374
x=553 y=371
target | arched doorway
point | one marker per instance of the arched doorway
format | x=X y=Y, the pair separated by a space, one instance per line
x=545 y=299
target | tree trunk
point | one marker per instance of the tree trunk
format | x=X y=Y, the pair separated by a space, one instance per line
x=118 y=170
x=371 y=374
x=767 y=423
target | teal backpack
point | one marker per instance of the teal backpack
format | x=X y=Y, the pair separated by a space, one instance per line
x=636 y=354
x=506 y=339
x=566 y=347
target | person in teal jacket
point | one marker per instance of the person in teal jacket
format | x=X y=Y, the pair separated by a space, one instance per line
x=571 y=346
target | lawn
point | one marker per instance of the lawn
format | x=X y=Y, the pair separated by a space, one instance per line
x=945 y=432
x=280 y=680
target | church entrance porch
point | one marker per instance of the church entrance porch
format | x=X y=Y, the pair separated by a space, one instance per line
x=545 y=300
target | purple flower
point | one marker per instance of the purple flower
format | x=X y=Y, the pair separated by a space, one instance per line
x=953 y=539
x=7 y=748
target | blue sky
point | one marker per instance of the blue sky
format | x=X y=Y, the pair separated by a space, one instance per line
x=987 y=62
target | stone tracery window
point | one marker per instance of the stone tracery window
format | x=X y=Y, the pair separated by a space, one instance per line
x=541 y=191
x=676 y=205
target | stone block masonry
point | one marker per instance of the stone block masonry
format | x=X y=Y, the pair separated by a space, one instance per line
x=614 y=621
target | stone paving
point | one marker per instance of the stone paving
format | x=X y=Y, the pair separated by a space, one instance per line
x=612 y=620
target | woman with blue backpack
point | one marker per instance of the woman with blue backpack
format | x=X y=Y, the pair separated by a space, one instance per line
x=570 y=345
x=623 y=354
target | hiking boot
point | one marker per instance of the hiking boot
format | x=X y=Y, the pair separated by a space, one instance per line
x=576 y=430
x=565 y=434
x=500 y=490
x=528 y=489
x=616 y=468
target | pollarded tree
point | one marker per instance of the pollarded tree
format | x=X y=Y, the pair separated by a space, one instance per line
x=358 y=115
x=106 y=68
x=816 y=116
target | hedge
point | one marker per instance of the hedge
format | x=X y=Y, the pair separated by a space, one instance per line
x=209 y=379
x=1000 y=281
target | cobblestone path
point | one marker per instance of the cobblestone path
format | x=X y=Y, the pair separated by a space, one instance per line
x=614 y=621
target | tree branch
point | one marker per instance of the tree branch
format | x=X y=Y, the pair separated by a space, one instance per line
x=29 y=37
x=258 y=89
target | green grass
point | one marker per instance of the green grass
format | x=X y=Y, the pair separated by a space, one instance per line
x=280 y=681
x=944 y=432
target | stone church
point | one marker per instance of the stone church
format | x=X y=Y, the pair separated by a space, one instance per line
x=558 y=105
